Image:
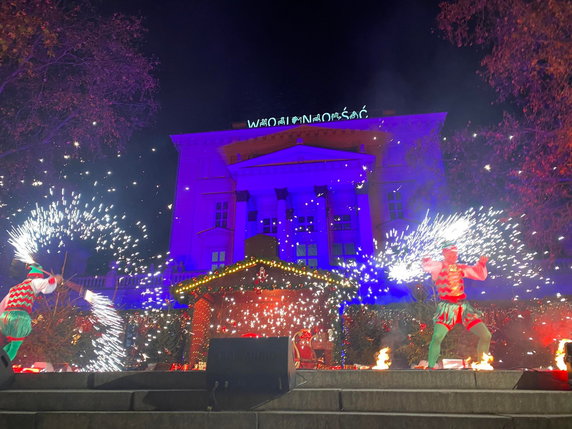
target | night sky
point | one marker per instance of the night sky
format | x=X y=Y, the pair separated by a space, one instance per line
x=223 y=62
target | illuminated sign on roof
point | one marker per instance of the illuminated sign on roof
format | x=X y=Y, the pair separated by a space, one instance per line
x=345 y=114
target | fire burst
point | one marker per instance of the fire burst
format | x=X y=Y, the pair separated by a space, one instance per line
x=475 y=232
x=383 y=361
x=485 y=364
x=560 y=354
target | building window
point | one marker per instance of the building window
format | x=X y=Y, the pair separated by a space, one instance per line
x=252 y=215
x=269 y=225
x=305 y=224
x=395 y=205
x=342 y=222
x=307 y=254
x=218 y=259
x=344 y=253
x=221 y=214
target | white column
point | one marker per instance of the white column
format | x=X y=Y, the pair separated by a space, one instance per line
x=282 y=229
x=240 y=224
x=322 y=227
x=364 y=220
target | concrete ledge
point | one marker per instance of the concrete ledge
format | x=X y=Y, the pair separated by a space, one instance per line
x=170 y=400
x=497 y=380
x=132 y=380
x=52 y=380
x=17 y=420
x=306 y=400
x=305 y=420
x=397 y=379
x=542 y=422
x=458 y=401
x=277 y=420
x=64 y=400
x=140 y=420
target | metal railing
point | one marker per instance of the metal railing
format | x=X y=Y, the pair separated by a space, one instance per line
x=114 y=281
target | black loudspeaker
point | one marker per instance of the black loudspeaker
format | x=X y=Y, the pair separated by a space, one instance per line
x=251 y=364
x=6 y=372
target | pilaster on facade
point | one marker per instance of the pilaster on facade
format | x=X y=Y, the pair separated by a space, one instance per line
x=241 y=215
x=364 y=219
x=283 y=230
x=322 y=240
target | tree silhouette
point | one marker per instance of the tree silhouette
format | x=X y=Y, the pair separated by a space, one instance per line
x=525 y=161
x=73 y=84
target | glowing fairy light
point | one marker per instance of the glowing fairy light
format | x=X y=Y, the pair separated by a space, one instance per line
x=475 y=232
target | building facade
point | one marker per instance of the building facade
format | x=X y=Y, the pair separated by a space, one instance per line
x=324 y=191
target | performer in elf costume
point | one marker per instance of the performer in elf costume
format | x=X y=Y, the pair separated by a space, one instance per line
x=453 y=307
x=15 y=308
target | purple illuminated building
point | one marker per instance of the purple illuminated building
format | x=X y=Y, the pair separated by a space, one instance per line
x=322 y=190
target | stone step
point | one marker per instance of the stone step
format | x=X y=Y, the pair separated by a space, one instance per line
x=461 y=401
x=128 y=380
x=277 y=420
x=130 y=400
x=393 y=379
x=408 y=379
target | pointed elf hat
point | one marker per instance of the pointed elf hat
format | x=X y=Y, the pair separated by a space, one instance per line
x=448 y=244
x=36 y=271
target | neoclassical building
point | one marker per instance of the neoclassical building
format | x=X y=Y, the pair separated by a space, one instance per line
x=324 y=191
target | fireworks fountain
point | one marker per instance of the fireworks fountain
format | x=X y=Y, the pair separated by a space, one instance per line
x=69 y=219
x=475 y=232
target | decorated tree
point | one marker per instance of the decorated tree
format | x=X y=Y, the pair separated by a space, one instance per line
x=525 y=161
x=62 y=332
x=73 y=84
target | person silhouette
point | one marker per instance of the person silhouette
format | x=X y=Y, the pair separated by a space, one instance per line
x=15 y=308
x=453 y=306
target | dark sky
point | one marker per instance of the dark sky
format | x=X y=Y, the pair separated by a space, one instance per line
x=229 y=61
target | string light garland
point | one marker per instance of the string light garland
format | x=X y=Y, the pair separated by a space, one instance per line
x=181 y=289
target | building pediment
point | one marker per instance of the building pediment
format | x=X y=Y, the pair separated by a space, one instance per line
x=350 y=140
x=301 y=154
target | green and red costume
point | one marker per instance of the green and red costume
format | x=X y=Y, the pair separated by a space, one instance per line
x=15 y=309
x=453 y=306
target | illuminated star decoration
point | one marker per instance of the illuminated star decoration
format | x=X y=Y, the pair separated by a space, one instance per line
x=475 y=232
x=69 y=219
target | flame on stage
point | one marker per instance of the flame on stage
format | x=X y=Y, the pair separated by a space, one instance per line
x=485 y=364
x=560 y=354
x=382 y=359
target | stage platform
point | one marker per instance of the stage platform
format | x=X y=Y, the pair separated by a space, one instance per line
x=322 y=399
